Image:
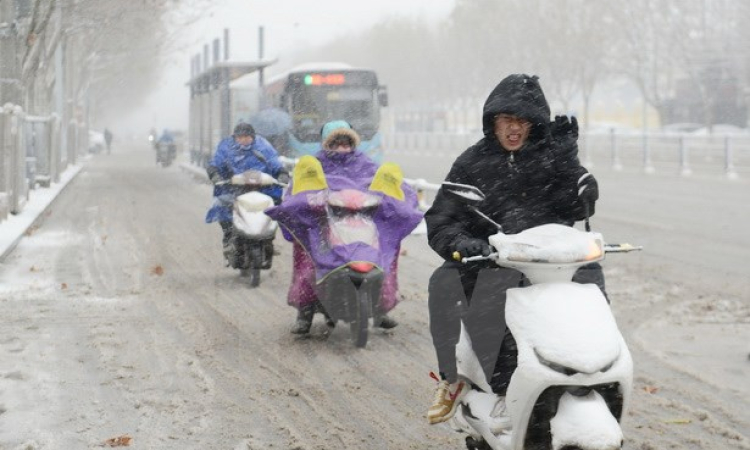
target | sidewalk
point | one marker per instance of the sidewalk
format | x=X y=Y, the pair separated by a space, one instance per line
x=14 y=227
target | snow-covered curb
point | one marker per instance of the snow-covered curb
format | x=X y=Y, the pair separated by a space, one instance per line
x=15 y=226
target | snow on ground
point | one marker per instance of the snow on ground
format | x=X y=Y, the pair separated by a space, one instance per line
x=708 y=338
x=95 y=346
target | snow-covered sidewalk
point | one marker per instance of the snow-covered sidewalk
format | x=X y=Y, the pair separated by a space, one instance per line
x=13 y=228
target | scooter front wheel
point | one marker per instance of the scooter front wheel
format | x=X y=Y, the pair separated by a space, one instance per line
x=477 y=444
x=254 y=277
x=256 y=260
x=359 y=326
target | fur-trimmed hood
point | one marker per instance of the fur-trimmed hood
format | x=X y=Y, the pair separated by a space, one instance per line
x=337 y=128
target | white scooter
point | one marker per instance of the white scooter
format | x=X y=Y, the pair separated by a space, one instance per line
x=254 y=231
x=574 y=377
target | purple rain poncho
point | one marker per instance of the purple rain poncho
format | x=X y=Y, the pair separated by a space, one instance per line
x=302 y=217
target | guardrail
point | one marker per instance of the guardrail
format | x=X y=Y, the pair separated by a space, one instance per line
x=419 y=184
x=31 y=154
x=684 y=154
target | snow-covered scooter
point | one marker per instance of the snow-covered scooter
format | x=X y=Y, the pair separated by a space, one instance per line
x=574 y=377
x=253 y=230
x=166 y=152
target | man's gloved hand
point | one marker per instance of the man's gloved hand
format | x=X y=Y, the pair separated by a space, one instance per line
x=283 y=177
x=473 y=247
x=564 y=130
x=216 y=178
x=588 y=192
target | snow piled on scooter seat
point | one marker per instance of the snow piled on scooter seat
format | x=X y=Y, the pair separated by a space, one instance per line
x=566 y=323
x=254 y=201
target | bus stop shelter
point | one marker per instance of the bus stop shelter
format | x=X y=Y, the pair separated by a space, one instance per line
x=211 y=105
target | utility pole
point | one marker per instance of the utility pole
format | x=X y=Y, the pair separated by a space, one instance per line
x=260 y=58
x=10 y=83
x=60 y=92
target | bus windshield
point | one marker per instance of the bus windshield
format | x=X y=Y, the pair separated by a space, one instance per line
x=316 y=105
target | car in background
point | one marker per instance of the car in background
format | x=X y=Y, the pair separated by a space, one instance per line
x=97 y=144
x=680 y=128
x=720 y=129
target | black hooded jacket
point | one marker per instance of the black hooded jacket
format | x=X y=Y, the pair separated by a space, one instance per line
x=532 y=186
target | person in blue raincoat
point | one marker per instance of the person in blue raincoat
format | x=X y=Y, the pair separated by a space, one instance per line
x=166 y=139
x=242 y=151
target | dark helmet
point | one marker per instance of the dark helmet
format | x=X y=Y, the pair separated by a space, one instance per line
x=244 y=129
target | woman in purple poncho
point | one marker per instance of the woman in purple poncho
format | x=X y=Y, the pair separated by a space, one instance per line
x=344 y=167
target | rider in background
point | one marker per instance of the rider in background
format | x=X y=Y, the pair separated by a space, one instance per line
x=242 y=151
x=165 y=140
x=166 y=137
x=108 y=139
x=528 y=168
x=153 y=136
x=340 y=159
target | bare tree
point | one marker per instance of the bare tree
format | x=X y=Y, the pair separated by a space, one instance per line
x=114 y=50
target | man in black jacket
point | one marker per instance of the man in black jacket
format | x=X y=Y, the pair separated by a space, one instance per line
x=529 y=171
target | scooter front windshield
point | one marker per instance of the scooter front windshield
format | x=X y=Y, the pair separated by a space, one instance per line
x=349 y=215
x=351 y=228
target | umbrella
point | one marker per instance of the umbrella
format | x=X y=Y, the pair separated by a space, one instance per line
x=271 y=122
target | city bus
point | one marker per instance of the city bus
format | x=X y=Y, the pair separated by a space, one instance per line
x=314 y=94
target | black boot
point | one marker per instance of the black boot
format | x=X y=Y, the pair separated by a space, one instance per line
x=228 y=248
x=387 y=322
x=304 y=320
x=329 y=321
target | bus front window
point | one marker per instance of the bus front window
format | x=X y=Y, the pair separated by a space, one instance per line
x=314 y=106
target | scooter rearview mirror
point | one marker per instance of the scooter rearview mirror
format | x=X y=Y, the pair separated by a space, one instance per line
x=465 y=193
x=470 y=196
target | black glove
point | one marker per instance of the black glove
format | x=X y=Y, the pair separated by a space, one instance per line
x=214 y=175
x=216 y=178
x=588 y=192
x=564 y=130
x=473 y=247
x=283 y=177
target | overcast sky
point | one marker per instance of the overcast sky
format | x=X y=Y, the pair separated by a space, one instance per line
x=287 y=24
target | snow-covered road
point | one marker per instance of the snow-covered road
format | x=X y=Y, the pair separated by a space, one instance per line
x=118 y=318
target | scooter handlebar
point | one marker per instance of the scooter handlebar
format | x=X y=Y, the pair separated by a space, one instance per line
x=252 y=178
x=621 y=248
x=464 y=259
x=608 y=248
x=230 y=182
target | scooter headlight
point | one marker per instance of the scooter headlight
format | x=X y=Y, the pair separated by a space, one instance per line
x=565 y=370
x=559 y=368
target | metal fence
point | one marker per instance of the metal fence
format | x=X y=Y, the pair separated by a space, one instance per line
x=32 y=154
x=684 y=154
